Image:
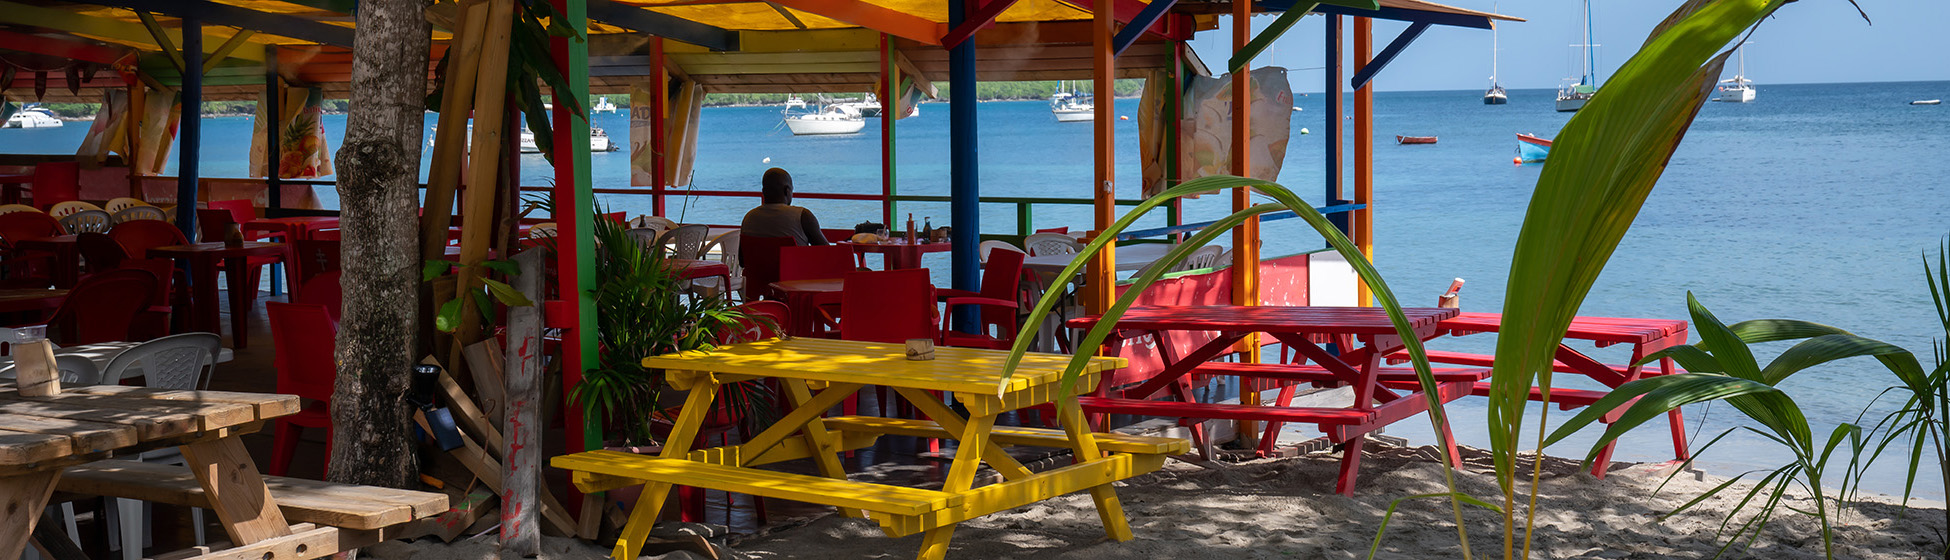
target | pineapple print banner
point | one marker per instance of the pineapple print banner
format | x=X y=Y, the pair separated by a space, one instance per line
x=302 y=149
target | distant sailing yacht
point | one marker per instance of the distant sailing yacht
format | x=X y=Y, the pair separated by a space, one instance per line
x=1737 y=89
x=1072 y=106
x=1572 y=97
x=1495 y=96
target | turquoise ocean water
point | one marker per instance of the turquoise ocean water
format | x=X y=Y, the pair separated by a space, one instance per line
x=1814 y=202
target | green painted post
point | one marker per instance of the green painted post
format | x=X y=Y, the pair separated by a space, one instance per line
x=1025 y=219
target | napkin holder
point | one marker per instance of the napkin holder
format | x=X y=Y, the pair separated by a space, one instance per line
x=35 y=372
x=920 y=349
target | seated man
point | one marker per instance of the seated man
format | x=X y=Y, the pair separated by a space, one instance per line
x=777 y=217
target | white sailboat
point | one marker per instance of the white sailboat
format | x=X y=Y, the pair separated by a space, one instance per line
x=1495 y=95
x=1572 y=96
x=1737 y=89
x=33 y=116
x=598 y=140
x=604 y=106
x=831 y=119
x=1071 y=107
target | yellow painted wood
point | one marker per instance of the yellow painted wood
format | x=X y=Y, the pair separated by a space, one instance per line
x=807 y=68
x=825 y=454
x=688 y=60
x=788 y=450
x=1056 y=482
x=697 y=406
x=803 y=411
x=108 y=29
x=227 y=48
x=1011 y=435
x=162 y=39
x=952 y=425
x=794 y=41
x=1110 y=510
x=798 y=487
x=960 y=370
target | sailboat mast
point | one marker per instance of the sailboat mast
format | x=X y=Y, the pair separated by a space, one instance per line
x=1493 y=47
x=1590 y=61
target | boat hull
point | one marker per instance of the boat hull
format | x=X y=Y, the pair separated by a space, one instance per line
x=1414 y=139
x=1496 y=99
x=816 y=127
x=1075 y=116
x=1532 y=149
x=1735 y=95
x=1571 y=104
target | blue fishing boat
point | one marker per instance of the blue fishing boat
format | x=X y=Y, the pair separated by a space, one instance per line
x=1532 y=149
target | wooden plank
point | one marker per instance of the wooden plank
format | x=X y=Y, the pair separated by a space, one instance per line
x=24 y=497
x=86 y=437
x=484 y=363
x=520 y=531
x=313 y=543
x=267 y=405
x=468 y=415
x=443 y=177
x=148 y=426
x=206 y=415
x=798 y=487
x=484 y=164
x=237 y=492
x=53 y=542
x=306 y=501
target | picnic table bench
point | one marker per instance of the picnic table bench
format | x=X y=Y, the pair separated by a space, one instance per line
x=836 y=369
x=61 y=441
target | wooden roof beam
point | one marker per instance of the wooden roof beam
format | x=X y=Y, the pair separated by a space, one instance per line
x=106 y=28
x=1152 y=13
x=1384 y=12
x=242 y=18
x=662 y=25
x=1388 y=54
x=891 y=22
x=64 y=47
x=1127 y=11
x=984 y=15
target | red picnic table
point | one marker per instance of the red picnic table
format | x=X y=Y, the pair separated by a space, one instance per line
x=1645 y=335
x=899 y=255
x=1382 y=395
x=202 y=259
x=805 y=297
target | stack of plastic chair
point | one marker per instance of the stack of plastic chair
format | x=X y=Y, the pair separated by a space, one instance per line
x=138 y=213
x=685 y=242
x=118 y=204
x=65 y=209
x=1051 y=244
x=303 y=335
x=91 y=221
x=181 y=362
x=728 y=246
x=137 y=238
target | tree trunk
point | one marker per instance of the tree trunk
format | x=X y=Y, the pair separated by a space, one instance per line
x=379 y=168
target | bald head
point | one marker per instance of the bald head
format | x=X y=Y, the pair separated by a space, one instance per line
x=777 y=186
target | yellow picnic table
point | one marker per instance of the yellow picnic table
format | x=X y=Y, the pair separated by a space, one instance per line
x=818 y=374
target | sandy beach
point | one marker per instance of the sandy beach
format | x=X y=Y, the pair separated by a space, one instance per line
x=1286 y=508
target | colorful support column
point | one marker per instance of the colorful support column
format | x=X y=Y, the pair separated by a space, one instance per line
x=659 y=117
x=1364 y=151
x=575 y=219
x=274 y=178
x=1245 y=237
x=189 y=130
x=1103 y=268
x=964 y=187
x=1335 y=108
x=890 y=110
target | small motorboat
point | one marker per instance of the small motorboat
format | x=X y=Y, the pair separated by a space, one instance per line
x=1414 y=139
x=1531 y=149
x=1927 y=102
x=33 y=116
x=833 y=119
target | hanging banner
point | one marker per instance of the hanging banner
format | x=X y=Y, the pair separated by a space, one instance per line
x=109 y=133
x=1205 y=129
x=302 y=149
x=680 y=133
x=160 y=112
x=643 y=171
x=1151 y=132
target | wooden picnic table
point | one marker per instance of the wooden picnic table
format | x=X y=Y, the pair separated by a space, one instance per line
x=899 y=255
x=202 y=260
x=60 y=441
x=1382 y=396
x=1645 y=335
x=67 y=256
x=816 y=375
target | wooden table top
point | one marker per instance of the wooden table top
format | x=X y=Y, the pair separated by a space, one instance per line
x=23 y=299
x=816 y=286
x=885 y=247
x=964 y=370
x=297 y=220
x=216 y=249
x=93 y=422
x=1600 y=329
x=1316 y=320
x=50 y=242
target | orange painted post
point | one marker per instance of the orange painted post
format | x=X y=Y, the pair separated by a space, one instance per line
x=1364 y=150
x=659 y=115
x=1245 y=238
x=1103 y=269
x=890 y=110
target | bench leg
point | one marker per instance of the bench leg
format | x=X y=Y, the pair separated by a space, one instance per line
x=1350 y=465
x=237 y=493
x=24 y=496
x=1110 y=510
x=934 y=543
x=825 y=453
x=682 y=434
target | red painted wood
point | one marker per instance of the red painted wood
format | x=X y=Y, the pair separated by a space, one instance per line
x=1205 y=411
x=1311 y=320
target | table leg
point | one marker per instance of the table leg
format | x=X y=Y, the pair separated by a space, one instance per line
x=237 y=493
x=934 y=409
x=697 y=407
x=25 y=495
x=203 y=296
x=1110 y=510
x=826 y=454
x=1350 y=465
x=961 y=478
x=242 y=294
x=67 y=266
x=1675 y=418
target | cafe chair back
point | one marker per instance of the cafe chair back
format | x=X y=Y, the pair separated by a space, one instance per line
x=91 y=221
x=815 y=262
x=315 y=257
x=56 y=182
x=727 y=245
x=140 y=236
x=760 y=258
x=180 y=362
x=99 y=252
x=888 y=306
x=12 y=208
x=542 y=230
x=102 y=307
x=304 y=336
x=755 y=324
x=323 y=289
x=685 y=242
x=64 y=209
x=1051 y=244
x=28 y=225
x=139 y=213
x=76 y=370
x=994 y=244
x=118 y=204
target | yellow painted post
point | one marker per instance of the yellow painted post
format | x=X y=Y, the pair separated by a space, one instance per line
x=1363 y=221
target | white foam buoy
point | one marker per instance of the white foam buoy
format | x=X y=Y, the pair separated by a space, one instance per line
x=1303 y=130
x=1296 y=109
x=767 y=160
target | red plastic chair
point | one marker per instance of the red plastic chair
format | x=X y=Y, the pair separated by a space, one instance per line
x=760 y=258
x=139 y=236
x=304 y=336
x=888 y=306
x=99 y=252
x=102 y=307
x=214 y=224
x=154 y=322
x=55 y=183
x=27 y=269
x=814 y=262
x=322 y=289
x=315 y=257
x=757 y=315
x=998 y=300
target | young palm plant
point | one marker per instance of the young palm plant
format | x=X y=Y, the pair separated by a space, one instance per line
x=1924 y=420
x=1722 y=367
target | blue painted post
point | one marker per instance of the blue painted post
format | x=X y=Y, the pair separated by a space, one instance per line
x=189 y=133
x=273 y=176
x=1335 y=107
x=964 y=185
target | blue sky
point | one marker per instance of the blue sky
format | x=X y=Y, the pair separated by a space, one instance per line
x=1810 y=41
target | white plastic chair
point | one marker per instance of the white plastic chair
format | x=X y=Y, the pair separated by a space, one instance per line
x=1051 y=244
x=994 y=244
x=66 y=208
x=685 y=242
x=1204 y=257
x=133 y=213
x=178 y=362
x=86 y=221
x=118 y=204
x=727 y=246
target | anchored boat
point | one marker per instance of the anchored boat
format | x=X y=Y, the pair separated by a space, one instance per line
x=1572 y=97
x=833 y=119
x=33 y=116
x=1531 y=149
x=1414 y=139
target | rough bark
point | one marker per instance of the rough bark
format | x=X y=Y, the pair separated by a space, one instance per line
x=378 y=191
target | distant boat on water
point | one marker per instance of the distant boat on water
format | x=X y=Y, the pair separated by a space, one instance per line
x=1927 y=102
x=832 y=119
x=1572 y=97
x=33 y=116
x=1495 y=95
x=1399 y=139
x=1737 y=89
x=1072 y=106
x=604 y=106
x=1531 y=149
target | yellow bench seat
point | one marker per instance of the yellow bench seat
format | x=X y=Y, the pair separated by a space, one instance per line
x=846 y=494
x=1011 y=435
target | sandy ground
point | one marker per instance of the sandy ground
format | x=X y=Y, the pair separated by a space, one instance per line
x=1286 y=508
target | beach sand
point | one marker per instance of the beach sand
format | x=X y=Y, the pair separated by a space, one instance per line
x=1286 y=508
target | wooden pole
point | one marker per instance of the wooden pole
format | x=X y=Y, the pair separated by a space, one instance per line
x=485 y=162
x=1364 y=151
x=1103 y=64
x=450 y=139
x=659 y=126
x=965 y=178
x=190 y=127
x=521 y=427
x=1245 y=237
x=890 y=110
